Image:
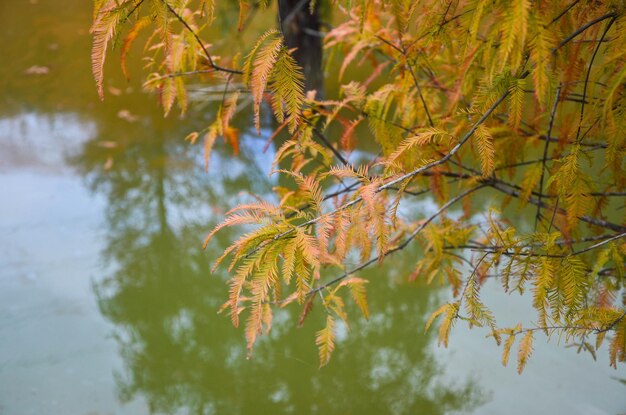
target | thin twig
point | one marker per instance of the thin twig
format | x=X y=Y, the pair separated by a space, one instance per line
x=545 y=153
x=327 y=144
x=585 y=218
x=583 y=28
x=397 y=180
x=568 y=8
x=204 y=49
x=130 y=13
x=506 y=252
x=565 y=327
x=599 y=244
x=475 y=268
x=403 y=245
x=595 y=52
x=556 y=205
x=419 y=92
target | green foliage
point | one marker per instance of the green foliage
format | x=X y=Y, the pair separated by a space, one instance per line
x=525 y=100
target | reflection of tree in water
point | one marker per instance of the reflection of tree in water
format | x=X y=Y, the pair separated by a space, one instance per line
x=179 y=355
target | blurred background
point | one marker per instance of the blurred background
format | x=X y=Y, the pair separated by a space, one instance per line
x=107 y=301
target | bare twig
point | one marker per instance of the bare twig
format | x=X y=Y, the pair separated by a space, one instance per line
x=595 y=52
x=397 y=180
x=583 y=28
x=327 y=144
x=212 y=64
x=403 y=245
x=545 y=153
x=419 y=92
x=568 y=8
x=588 y=219
x=567 y=327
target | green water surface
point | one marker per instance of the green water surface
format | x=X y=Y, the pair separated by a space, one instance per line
x=107 y=301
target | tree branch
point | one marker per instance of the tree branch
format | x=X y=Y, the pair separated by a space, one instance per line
x=545 y=153
x=582 y=29
x=588 y=219
x=593 y=57
x=400 y=247
x=204 y=49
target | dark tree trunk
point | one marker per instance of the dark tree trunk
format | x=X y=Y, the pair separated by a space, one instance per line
x=302 y=33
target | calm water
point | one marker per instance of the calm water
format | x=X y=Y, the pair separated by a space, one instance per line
x=107 y=302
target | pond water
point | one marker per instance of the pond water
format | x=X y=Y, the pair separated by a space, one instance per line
x=107 y=301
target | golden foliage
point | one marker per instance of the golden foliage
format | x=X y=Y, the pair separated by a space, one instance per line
x=108 y=15
x=486 y=149
x=524 y=351
x=270 y=64
x=358 y=293
x=325 y=341
x=448 y=313
x=508 y=344
x=454 y=96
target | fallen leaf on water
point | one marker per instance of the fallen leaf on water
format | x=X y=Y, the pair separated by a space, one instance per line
x=107 y=144
x=127 y=115
x=115 y=91
x=37 y=70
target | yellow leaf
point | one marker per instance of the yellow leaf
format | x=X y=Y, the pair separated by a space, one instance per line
x=486 y=150
x=508 y=344
x=524 y=351
x=359 y=294
x=325 y=341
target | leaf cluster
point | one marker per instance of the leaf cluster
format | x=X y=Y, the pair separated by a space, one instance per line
x=512 y=111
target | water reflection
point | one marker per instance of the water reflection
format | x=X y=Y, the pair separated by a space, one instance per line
x=156 y=290
x=38 y=141
x=162 y=298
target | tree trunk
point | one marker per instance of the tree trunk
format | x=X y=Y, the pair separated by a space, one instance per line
x=301 y=30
